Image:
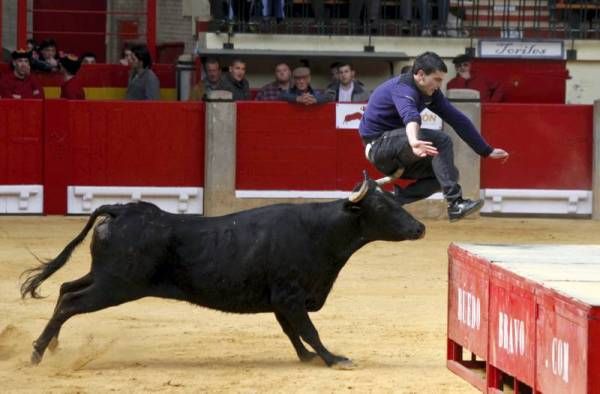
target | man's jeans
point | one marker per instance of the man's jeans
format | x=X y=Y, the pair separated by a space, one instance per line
x=392 y=151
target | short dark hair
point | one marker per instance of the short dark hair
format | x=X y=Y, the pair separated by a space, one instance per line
x=88 y=54
x=429 y=62
x=343 y=64
x=236 y=60
x=335 y=65
x=212 y=60
x=141 y=52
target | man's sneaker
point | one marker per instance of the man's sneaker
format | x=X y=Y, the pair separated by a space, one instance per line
x=460 y=208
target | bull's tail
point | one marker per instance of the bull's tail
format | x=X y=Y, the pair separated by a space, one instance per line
x=37 y=275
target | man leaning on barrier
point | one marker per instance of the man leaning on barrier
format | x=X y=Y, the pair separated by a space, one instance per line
x=397 y=145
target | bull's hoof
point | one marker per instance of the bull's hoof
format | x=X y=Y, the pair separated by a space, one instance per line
x=343 y=363
x=308 y=357
x=36 y=357
x=53 y=344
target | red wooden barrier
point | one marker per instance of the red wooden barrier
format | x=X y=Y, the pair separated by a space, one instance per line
x=282 y=146
x=120 y=143
x=527 y=81
x=21 y=142
x=551 y=146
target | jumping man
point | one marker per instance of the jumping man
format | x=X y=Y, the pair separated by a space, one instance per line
x=396 y=144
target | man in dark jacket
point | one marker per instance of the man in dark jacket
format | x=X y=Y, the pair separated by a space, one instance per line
x=302 y=92
x=347 y=89
x=397 y=145
x=235 y=81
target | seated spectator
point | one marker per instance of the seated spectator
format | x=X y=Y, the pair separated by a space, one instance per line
x=20 y=84
x=347 y=89
x=489 y=91
x=406 y=69
x=32 y=47
x=126 y=53
x=235 y=81
x=71 y=88
x=47 y=61
x=281 y=84
x=88 y=58
x=214 y=75
x=143 y=83
x=334 y=70
x=302 y=92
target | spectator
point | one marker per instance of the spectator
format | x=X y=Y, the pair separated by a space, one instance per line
x=71 y=88
x=212 y=81
x=126 y=55
x=302 y=92
x=273 y=8
x=347 y=89
x=489 y=91
x=20 y=84
x=33 y=48
x=406 y=69
x=47 y=60
x=143 y=83
x=318 y=7
x=235 y=81
x=281 y=84
x=88 y=58
x=214 y=75
x=372 y=12
x=442 y=17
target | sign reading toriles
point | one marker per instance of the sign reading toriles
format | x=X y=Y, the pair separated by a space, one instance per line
x=521 y=49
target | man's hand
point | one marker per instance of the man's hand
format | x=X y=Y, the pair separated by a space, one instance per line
x=498 y=153
x=423 y=148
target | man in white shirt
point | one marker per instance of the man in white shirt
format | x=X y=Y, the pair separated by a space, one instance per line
x=347 y=89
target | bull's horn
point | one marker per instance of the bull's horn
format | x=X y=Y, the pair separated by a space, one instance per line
x=358 y=195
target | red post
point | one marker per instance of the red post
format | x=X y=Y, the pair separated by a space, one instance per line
x=21 y=24
x=151 y=28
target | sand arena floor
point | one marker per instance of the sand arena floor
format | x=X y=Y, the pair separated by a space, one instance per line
x=387 y=312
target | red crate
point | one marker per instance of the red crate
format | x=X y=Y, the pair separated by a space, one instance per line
x=543 y=303
x=467 y=313
x=511 y=338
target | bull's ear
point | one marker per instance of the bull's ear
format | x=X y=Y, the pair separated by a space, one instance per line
x=351 y=207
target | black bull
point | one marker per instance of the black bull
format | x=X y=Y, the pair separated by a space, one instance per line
x=280 y=258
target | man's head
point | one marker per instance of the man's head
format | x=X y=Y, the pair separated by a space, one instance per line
x=140 y=57
x=429 y=71
x=88 y=58
x=283 y=73
x=237 y=69
x=345 y=73
x=462 y=63
x=213 y=70
x=334 y=69
x=20 y=63
x=48 y=49
x=69 y=64
x=301 y=78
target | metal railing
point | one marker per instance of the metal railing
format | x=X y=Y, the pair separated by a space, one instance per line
x=564 y=19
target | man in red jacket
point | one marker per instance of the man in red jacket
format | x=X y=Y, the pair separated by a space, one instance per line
x=19 y=84
x=489 y=91
x=71 y=88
